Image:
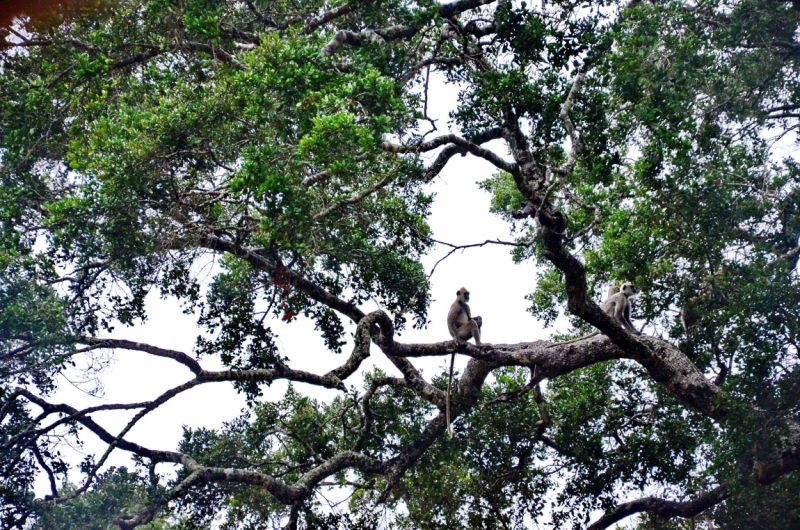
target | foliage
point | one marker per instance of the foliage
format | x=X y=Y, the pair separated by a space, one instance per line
x=286 y=143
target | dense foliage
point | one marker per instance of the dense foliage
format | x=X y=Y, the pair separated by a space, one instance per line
x=640 y=141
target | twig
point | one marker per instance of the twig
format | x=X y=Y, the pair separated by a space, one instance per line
x=456 y=248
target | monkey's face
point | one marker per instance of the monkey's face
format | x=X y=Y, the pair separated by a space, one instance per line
x=463 y=294
x=629 y=290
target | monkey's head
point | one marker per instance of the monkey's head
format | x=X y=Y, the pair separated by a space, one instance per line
x=628 y=290
x=462 y=295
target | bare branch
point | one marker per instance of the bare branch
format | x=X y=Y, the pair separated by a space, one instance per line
x=316 y=22
x=105 y=436
x=178 y=356
x=408 y=76
x=455 y=248
x=47 y=469
x=783 y=115
x=463 y=146
x=792 y=106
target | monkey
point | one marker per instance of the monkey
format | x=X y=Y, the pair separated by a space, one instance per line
x=618 y=306
x=462 y=327
x=460 y=323
x=688 y=315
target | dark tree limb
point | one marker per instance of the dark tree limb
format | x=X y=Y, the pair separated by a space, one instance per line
x=462 y=145
x=178 y=356
x=455 y=248
x=259 y=262
x=662 y=507
x=451 y=61
x=47 y=469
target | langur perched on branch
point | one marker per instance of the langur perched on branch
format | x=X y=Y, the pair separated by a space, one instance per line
x=462 y=327
x=618 y=307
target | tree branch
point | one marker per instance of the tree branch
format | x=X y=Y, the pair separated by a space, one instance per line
x=576 y=147
x=662 y=507
x=463 y=146
x=380 y=36
x=316 y=22
x=455 y=248
x=428 y=62
x=356 y=197
x=178 y=356
x=305 y=286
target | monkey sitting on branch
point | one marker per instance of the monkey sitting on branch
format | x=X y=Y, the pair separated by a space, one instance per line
x=462 y=327
x=618 y=307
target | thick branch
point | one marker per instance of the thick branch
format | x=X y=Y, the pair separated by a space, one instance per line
x=105 y=436
x=469 y=387
x=316 y=22
x=462 y=146
x=178 y=356
x=379 y=36
x=662 y=507
x=456 y=8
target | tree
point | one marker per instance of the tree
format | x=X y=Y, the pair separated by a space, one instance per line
x=285 y=139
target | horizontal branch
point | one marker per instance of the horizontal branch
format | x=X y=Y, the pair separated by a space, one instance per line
x=662 y=507
x=456 y=8
x=379 y=36
x=455 y=248
x=456 y=145
x=100 y=432
x=178 y=356
x=782 y=116
x=450 y=61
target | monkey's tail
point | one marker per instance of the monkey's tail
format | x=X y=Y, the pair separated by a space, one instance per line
x=447 y=397
x=592 y=334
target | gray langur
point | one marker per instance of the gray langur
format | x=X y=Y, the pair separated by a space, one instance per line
x=460 y=322
x=462 y=327
x=618 y=306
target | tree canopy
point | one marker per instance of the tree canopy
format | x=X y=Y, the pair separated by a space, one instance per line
x=290 y=143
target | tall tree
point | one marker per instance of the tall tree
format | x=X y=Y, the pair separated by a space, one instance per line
x=286 y=140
